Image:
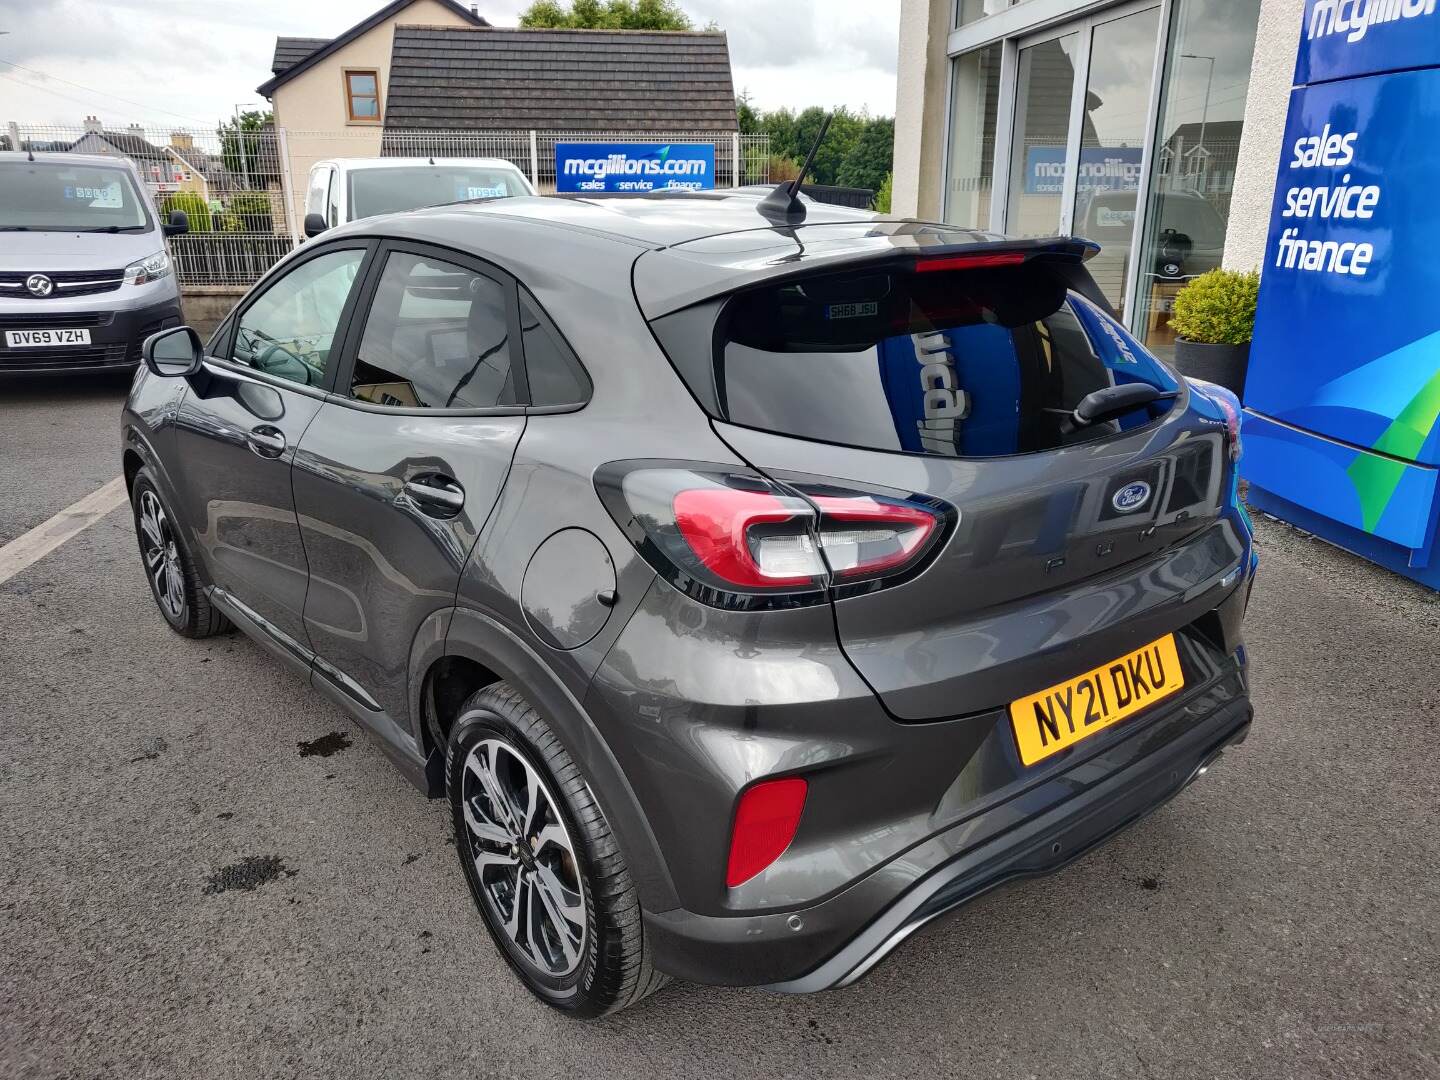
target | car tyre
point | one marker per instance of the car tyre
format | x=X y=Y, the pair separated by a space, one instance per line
x=574 y=933
x=169 y=564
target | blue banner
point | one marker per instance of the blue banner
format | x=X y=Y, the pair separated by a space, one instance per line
x=621 y=167
x=1344 y=38
x=1102 y=168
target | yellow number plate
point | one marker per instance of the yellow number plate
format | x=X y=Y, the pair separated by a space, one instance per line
x=1048 y=722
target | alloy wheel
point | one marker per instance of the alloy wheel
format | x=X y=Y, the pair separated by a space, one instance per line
x=524 y=857
x=162 y=556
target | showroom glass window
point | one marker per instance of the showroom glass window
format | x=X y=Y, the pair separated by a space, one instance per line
x=974 y=99
x=1197 y=145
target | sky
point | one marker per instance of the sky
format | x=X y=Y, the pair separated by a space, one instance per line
x=187 y=63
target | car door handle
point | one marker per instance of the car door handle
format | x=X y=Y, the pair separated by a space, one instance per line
x=436 y=493
x=267 y=441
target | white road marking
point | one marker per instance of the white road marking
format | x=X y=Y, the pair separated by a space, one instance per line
x=68 y=523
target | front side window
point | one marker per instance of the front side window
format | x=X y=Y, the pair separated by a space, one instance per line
x=315 y=195
x=966 y=363
x=289 y=331
x=393 y=189
x=43 y=196
x=362 y=95
x=437 y=337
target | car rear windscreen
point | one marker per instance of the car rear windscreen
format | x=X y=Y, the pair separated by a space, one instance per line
x=968 y=363
x=43 y=196
x=391 y=190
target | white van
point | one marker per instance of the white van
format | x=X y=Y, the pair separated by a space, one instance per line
x=347 y=189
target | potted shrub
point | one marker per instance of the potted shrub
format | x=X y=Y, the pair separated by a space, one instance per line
x=1214 y=317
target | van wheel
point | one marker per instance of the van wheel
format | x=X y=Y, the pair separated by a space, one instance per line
x=169 y=566
x=541 y=862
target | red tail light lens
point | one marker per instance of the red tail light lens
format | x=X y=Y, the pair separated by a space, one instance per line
x=766 y=818
x=940 y=263
x=749 y=538
x=734 y=539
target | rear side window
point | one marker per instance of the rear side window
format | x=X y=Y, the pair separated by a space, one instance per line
x=554 y=374
x=437 y=337
x=965 y=363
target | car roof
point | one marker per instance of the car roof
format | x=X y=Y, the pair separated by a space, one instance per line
x=61 y=157
x=655 y=220
x=679 y=248
x=411 y=162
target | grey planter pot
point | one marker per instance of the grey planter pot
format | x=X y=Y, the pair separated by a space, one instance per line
x=1222 y=364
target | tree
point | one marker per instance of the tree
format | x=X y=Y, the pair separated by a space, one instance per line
x=750 y=121
x=242 y=147
x=869 y=162
x=606 y=15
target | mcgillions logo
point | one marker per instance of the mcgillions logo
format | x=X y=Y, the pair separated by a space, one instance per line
x=1354 y=18
x=1131 y=497
x=644 y=169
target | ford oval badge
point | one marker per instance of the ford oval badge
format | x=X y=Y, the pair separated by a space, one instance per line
x=1131 y=497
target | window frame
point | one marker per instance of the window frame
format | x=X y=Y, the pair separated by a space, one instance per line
x=340 y=347
x=359 y=316
x=350 y=95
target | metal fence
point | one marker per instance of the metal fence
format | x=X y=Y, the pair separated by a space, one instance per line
x=244 y=191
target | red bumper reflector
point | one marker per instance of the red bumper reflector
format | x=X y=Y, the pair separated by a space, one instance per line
x=765 y=822
x=968 y=262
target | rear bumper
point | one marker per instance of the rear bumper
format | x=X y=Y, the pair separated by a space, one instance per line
x=834 y=943
x=115 y=338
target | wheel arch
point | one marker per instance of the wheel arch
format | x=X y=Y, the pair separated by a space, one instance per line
x=479 y=649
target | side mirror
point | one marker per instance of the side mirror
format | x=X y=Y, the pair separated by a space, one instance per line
x=315 y=224
x=178 y=224
x=173 y=353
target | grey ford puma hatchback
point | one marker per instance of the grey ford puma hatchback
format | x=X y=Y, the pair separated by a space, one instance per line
x=755 y=594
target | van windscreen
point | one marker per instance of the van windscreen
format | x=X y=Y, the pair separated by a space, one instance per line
x=967 y=363
x=44 y=196
x=393 y=189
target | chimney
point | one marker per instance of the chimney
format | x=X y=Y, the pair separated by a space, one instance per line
x=136 y=129
x=182 y=140
x=93 y=126
x=475 y=10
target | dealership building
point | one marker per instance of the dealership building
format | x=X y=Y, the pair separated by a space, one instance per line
x=1151 y=126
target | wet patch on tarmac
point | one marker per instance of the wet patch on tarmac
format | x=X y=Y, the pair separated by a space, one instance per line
x=248 y=874
x=326 y=745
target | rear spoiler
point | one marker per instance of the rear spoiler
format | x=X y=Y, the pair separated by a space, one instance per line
x=669 y=279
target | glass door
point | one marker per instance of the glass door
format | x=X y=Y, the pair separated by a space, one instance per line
x=1045 y=87
x=1112 y=142
x=1082 y=97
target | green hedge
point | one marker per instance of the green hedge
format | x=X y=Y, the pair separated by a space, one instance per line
x=194 y=207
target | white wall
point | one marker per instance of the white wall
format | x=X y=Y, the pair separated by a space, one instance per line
x=1277 y=38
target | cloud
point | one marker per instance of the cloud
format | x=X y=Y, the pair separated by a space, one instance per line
x=163 y=64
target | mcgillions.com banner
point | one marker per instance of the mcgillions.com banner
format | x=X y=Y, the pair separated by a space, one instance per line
x=596 y=167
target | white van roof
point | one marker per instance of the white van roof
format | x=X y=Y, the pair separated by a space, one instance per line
x=347 y=164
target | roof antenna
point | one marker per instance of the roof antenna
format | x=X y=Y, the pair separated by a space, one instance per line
x=31 y=151
x=432 y=159
x=783 y=205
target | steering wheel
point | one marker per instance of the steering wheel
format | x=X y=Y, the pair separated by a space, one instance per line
x=263 y=361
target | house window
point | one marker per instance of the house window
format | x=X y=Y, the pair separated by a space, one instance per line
x=362 y=95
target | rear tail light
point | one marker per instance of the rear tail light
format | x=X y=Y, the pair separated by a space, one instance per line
x=1229 y=406
x=766 y=818
x=735 y=539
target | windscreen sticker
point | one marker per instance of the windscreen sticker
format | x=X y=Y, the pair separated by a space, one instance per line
x=867 y=309
x=496 y=192
x=106 y=198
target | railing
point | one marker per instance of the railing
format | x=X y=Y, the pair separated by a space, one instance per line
x=226 y=259
x=245 y=191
